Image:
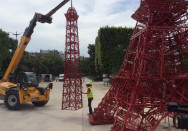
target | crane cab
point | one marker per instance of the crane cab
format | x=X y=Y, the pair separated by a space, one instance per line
x=27 y=79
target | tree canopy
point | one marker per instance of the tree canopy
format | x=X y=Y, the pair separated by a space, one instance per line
x=91 y=64
x=47 y=64
x=110 y=46
x=7 y=49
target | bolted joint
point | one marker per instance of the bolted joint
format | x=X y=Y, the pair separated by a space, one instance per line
x=44 y=18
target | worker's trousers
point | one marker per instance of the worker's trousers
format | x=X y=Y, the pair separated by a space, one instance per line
x=89 y=105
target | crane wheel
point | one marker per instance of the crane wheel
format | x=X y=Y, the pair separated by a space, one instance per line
x=40 y=103
x=12 y=101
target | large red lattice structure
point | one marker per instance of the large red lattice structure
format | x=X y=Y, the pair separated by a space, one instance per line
x=153 y=71
x=72 y=86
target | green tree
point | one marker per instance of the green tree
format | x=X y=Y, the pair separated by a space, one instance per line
x=28 y=63
x=91 y=61
x=54 y=63
x=110 y=46
x=7 y=49
x=85 y=69
x=47 y=64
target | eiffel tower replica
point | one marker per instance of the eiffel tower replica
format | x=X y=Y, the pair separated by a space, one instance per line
x=153 y=72
x=72 y=86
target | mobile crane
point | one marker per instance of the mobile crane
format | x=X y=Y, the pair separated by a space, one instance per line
x=26 y=89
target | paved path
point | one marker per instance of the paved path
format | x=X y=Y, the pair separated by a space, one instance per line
x=50 y=117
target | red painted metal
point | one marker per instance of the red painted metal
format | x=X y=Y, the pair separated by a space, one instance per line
x=72 y=86
x=153 y=71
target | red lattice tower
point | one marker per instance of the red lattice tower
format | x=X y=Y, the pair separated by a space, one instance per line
x=153 y=71
x=72 y=86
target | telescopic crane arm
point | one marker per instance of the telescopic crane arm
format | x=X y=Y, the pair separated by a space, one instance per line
x=56 y=8
x=27 y=36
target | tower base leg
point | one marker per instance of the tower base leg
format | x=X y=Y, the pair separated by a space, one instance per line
x=99 y=122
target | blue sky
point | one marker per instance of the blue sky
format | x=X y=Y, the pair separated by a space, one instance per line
x=15 y=15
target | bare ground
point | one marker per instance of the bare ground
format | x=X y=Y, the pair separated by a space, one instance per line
x=52 y=118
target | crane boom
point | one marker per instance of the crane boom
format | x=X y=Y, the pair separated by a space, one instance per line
x=57 y=8
x=26 y=38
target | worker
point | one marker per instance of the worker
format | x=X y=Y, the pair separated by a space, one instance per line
x=89 y=96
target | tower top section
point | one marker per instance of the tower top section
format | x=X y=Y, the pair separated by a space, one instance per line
x=71 y=14
x=148 y=7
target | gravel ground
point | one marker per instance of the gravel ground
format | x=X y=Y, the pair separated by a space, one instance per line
x=52 y=118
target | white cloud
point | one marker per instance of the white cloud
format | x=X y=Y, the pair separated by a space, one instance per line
x=15 y=15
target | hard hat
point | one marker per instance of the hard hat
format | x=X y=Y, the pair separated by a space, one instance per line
x=88 y=83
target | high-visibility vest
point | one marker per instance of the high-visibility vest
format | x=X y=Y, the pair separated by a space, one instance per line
x=90 y=94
